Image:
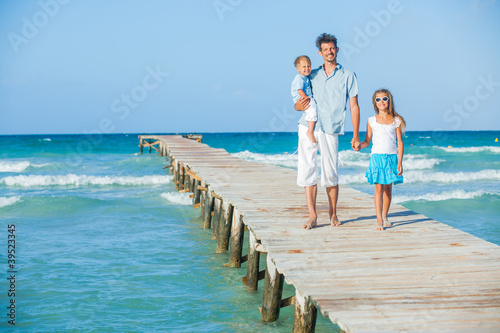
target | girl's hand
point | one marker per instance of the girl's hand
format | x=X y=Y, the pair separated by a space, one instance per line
x=400 y=169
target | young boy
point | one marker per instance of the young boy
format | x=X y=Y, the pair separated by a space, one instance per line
x=301 y=87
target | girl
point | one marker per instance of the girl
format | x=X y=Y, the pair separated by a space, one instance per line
x=386 y=161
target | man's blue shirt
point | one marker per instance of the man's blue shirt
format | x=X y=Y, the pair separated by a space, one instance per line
x=332 y=94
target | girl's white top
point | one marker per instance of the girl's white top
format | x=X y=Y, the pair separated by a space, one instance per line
x=384 y=136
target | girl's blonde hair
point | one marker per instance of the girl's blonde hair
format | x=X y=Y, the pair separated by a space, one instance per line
x=392 y=109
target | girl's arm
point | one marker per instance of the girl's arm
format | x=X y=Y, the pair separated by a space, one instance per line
x=401 y=149
x=368 y=137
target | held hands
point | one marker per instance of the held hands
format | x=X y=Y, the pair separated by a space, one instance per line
x=355 y=144
x=302 y=104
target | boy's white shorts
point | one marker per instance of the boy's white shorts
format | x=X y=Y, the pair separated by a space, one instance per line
x=311 y=113
x=328 y=145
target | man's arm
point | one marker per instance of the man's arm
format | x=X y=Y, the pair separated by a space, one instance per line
x=355 y=122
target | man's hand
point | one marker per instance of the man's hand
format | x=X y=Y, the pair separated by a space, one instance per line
x=302 y=104
x=355 y=144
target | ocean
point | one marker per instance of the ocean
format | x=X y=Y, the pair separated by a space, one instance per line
x=104 y=243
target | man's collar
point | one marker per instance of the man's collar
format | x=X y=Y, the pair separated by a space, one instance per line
x=338 y=67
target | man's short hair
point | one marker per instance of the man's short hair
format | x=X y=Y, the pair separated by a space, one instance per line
x=325 y=38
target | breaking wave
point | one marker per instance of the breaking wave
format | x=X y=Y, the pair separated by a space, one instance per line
x=7 y=201
x=432 y=177
x=177 y=198
x=17 y=166
x=82 y=180
x=447 y=195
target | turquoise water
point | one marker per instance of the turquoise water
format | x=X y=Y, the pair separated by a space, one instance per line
x=105 y=244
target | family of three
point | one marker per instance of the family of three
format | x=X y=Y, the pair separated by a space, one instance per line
x=323 y=94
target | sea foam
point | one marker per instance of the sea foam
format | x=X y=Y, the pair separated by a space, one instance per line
x=82 y=180
x=350 y=158
x=286 y=160
x=18 y=166
x=431 y=177
x=492 y=149
x=7 y=201
x=447 y=195
x=347 y=158
x=177 y=198
x=11 y=166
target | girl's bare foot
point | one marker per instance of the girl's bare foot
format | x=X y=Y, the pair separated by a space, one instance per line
x=311 y=137
x=380 y=227
x=334 y=221
x=386 y=222
x=310 y=224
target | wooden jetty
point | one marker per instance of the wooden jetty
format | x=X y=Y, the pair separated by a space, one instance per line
x=417 y=276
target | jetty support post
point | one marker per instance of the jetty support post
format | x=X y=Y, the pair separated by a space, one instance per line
x=140 y=143
x=163 y=149
x=180 y=177
x=273 y=288
x=226 y=218
x=177 y=174
x=252 y=278
x=191 y=182
x=172 y=167
x=160 y=150
x=197 y=191
x=187 y=180
x=237 y=236
x=208 y=209
x=170 y=164
x=305 y=315
x=216 y=217
x=202 y=187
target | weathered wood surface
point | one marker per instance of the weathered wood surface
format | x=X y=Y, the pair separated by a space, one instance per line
x=417 y=276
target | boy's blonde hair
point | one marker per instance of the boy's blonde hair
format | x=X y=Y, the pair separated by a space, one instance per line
x=300 y=58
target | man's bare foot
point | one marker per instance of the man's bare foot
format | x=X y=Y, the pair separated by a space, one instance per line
x=310 y=224
x=311 y=137
x=386 y=222
x=334 y=221
x=380 y=227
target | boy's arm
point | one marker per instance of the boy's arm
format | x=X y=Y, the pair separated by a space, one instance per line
x=301 y=93
x=401 y=149
x=368 y=137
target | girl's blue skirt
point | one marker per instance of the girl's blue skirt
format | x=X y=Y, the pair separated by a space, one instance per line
x=383 y=169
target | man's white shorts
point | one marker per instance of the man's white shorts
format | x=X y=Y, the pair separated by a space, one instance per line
x=328 y=145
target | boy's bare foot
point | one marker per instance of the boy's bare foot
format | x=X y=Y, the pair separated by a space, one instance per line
x=334 y=221
x=310 y=224
x=311 y=137
x=386 y=222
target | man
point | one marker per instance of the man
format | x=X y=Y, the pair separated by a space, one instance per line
x=333 y=86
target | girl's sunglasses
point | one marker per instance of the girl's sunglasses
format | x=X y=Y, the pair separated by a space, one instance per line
x=385 y=99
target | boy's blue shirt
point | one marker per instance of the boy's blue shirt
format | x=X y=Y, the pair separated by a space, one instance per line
x=301 y=82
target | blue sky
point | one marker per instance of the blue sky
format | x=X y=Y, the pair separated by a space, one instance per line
x=124 y=66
